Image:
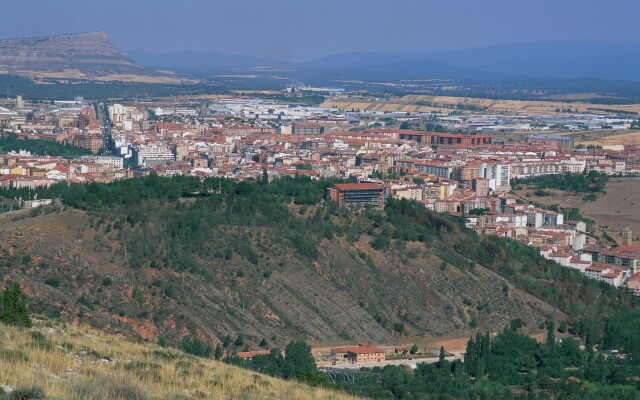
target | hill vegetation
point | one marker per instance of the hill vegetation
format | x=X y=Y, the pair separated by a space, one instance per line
x=266 y=254
x=10 y=142
x=270 y=262
x=234 y=264
x=511 y=365
x=592 y=182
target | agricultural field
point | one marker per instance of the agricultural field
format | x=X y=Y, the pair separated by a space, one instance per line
x=424 y=103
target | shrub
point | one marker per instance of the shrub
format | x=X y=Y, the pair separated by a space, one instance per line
x=107 y=281
x=9 y=355
x=32 y=393
x=52 y=281
x=398 y=326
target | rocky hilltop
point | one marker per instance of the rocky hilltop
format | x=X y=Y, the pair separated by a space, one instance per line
x=76 y=56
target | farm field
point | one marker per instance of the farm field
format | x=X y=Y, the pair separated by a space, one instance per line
x=424 y=103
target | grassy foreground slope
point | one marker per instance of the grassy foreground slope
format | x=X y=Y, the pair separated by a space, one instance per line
x=59 y=361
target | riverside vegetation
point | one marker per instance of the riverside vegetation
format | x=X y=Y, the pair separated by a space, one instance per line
x=180 y=209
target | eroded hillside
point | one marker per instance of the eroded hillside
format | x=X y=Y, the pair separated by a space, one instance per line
x=75 y=266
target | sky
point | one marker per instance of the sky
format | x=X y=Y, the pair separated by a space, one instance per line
x=301 y=30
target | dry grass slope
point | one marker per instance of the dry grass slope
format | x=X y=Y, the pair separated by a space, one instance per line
x=77 y=363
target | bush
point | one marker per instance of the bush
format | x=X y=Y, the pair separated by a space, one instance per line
x=398 y=326
x=53 y=281
x=32 y=393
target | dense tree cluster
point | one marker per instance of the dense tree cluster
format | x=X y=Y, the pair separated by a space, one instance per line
x=593 y=182
x=11 y=142
x=296 y=363
x=510 y=365
x=196 y=346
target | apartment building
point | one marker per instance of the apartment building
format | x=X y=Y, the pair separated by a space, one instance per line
x=357 y=194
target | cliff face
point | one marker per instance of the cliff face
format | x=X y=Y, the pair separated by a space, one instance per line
x=81 y=56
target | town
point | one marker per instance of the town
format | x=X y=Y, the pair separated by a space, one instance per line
x=466 y=173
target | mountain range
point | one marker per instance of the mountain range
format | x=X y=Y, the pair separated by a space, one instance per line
x=91 y=56
x=503 y=62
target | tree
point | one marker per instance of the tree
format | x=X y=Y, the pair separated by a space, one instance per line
x=13 y=310
x=297 y=360
x=218 y=352
x=239 y=340
x=414 y=349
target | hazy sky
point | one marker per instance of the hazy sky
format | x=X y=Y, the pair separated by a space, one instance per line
x=297 y=30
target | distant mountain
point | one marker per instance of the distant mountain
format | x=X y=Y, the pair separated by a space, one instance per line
x=189 y=60
x=360 y=60
x=502 y=62
x=76 y=56
x=523 y=60
x=622 y=66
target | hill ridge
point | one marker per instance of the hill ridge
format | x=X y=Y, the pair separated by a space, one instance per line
x=87 y=55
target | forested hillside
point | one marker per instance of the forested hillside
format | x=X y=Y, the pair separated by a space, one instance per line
x=272 y=262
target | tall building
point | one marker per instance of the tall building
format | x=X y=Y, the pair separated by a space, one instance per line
x=90 y=142
x=499 y=175
x=357 y=194
x=149 y=155
x=308 y=129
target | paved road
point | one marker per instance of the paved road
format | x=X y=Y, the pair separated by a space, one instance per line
x=106 y=129
x=410 y=363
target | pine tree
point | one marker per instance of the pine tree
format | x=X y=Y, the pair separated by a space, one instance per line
x=441 y=358
x=471 y=357
x=13 y=311
x=218 y=353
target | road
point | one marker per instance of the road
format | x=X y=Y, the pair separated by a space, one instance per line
x=410 y=363
x=106 y=128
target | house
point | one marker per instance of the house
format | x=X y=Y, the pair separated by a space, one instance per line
x=362 y=353
x=248 y=355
